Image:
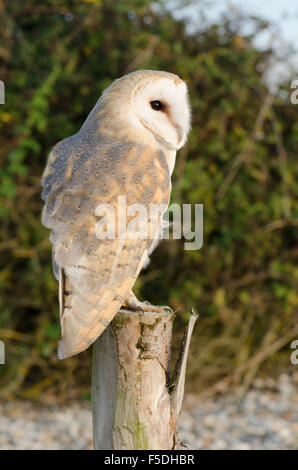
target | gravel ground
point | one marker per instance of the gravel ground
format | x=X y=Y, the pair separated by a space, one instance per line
x=267 y=418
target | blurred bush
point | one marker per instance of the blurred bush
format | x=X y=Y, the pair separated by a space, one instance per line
x=55 y=59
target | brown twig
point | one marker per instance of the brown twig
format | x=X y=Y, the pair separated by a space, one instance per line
x=279 y=223
x=247 y=150
x=254 y=361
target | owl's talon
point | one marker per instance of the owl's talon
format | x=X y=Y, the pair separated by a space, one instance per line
x=134 y=304
x=166 y=307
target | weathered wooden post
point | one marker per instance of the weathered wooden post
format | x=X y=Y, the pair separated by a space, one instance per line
x=135 y=402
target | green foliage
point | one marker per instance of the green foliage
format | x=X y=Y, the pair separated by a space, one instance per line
x=55 y=59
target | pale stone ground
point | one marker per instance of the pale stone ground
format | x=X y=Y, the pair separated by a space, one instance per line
x=267 y=418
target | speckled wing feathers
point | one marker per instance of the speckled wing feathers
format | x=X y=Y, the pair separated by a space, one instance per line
x=83 y=171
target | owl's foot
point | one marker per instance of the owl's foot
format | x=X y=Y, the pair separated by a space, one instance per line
x=134 y=304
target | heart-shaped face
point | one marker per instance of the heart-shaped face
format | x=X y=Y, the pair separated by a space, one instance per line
x=162 y=108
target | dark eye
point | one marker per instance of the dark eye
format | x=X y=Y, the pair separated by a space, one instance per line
x=156 y=105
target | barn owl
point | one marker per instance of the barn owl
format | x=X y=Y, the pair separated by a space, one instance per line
x=127 y=146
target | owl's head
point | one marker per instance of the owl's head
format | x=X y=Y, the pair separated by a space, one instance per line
x=161 y=105
x=155 y=102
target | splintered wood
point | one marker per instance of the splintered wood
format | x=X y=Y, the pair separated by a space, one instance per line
x=135 y=403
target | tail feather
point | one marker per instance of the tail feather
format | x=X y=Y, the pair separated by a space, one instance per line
x=83 y=321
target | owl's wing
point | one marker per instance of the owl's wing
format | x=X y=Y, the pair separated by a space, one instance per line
x=95 y=275
x=93 y=292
